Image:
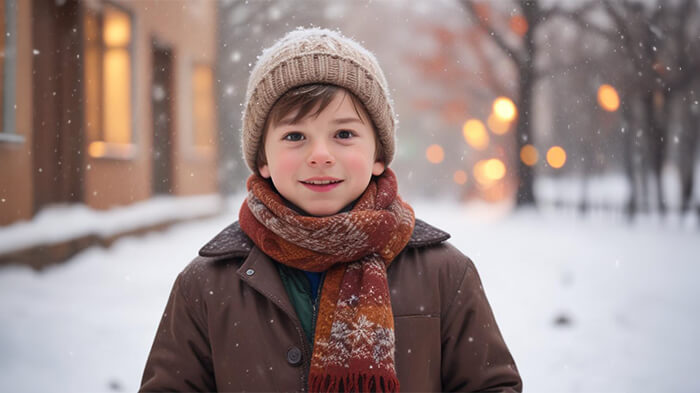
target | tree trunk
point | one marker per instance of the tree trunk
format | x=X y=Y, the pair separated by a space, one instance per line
x=628 y=144
x=527 y=74
x=656 y=146
x=687 y=155
x=526 y=195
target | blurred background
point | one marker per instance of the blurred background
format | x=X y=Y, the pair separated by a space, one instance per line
x=556 y=140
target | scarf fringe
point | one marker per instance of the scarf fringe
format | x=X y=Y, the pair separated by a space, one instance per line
x=353 y=383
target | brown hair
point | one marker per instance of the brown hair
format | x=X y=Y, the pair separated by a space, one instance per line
x=304 y=99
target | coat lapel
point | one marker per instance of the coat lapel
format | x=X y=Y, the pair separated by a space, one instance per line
x=259 y=272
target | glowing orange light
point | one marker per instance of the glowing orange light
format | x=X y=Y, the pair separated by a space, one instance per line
x=504 y=108
x=556 y=157
x=435 y=154
x=97 y=149
x=497 y=126
x=486 y=172
x=116 y=96
x=460 y=177
x=117 y=30
x=494 y=169
x=529 y=155
x=116 y=150
x=475 y=134
x=479 y=173
x=518 y=25
x=608 y=98
x=203 y=105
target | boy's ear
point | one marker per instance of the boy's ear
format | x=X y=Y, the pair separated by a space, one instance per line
x=378 y=168
x=264 y=171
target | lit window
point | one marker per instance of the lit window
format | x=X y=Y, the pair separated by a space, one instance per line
x=203 y=106
x=108 y=81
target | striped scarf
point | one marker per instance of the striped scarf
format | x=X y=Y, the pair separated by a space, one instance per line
x=354 y=336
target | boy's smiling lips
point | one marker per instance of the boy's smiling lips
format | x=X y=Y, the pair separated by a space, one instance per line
x=321 y=183
x=321 y=180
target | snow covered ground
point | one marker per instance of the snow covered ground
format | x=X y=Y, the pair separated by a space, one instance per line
x=625 y=297
x=64 y=222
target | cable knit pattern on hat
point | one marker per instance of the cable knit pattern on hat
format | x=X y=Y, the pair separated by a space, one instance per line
x=315 y=55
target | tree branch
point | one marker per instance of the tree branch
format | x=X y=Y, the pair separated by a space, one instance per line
x=578 y=17
x=489 y=78
x=495 y=36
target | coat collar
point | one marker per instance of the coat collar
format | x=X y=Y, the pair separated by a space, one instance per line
x=233 y=242
x=259 y=271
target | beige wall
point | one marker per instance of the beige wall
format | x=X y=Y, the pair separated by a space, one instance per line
x=190 y=29
x=16 y=167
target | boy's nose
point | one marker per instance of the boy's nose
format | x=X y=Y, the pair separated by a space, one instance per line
x=320 y=155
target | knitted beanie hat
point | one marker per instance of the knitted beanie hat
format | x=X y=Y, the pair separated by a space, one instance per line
x=314 y=55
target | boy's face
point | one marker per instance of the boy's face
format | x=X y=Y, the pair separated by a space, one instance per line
x=324 y=162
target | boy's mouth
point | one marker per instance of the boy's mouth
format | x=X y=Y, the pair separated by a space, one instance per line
x=321 y=184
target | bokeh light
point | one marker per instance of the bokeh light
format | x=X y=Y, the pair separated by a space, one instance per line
x=529 y=155
x=496 y=125
x=479 y=173
x=495 y=169
x=608 y=98
x=486 y=172
x=435 y=154
x=556 y=157
x=504 y=108
x=518 y=25
x=475 y=134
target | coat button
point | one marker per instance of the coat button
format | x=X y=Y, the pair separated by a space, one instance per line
x=294 y=356
x=250 y=272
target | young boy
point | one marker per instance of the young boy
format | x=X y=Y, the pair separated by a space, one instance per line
x=327 y=282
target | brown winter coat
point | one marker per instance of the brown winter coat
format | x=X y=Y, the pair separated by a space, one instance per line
x=229 y=324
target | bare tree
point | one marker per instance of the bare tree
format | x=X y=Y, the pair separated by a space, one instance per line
x=523 y=58
x=661 y=44
x=521 y=49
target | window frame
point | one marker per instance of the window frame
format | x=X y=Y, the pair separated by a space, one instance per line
x=8 y=114
x=98 y=147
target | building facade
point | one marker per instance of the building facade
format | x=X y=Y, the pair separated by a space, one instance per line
x=105 y=103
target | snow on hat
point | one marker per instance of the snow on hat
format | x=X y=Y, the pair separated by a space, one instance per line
x=315 y=55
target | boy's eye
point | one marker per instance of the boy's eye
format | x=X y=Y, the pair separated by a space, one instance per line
x=345 y=134
x=293 y=136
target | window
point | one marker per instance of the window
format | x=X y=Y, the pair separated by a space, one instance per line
x=108 y=82
x=203 y=107
x=8 y=66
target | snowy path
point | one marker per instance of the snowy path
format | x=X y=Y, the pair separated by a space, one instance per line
x=628 y=292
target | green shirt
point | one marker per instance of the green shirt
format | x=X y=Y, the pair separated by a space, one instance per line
x=299 y=290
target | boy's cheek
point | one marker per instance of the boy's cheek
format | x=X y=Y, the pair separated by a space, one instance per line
x=284 y=164
x=358 y=164
x=288 y=162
